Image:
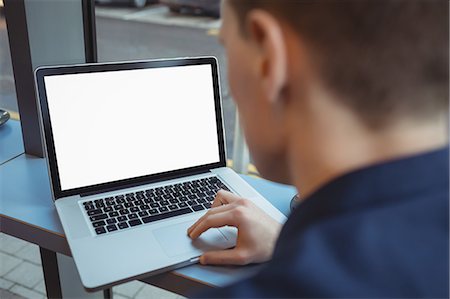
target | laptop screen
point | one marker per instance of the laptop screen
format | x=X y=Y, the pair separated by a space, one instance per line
x=110 y=126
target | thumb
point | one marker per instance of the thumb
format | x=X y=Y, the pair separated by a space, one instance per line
x=225 y=257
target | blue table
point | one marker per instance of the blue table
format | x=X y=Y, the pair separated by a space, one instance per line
x=27 y=212
x=11 y=144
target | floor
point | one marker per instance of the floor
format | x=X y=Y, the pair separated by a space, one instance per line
x=21 y=275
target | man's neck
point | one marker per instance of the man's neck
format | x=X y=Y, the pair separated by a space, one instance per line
x=320 y=153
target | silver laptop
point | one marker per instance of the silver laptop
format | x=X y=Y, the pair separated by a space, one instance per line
x=136 y=154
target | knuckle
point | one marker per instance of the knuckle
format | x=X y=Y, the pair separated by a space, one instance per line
x=239 y=212
x=218 y=197
x=244 y=202
x=242 y=257
x=220 y=193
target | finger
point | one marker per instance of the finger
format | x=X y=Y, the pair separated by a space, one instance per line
x=224 y=197
x=224 y=257
x=221 y=203
x=216 y=220
x=212 y=211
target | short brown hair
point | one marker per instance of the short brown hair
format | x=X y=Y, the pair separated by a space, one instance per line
x=384 y=58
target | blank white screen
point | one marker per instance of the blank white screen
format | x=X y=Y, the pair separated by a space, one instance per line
x=110 y=126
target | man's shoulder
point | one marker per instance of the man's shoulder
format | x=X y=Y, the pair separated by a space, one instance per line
x=376 y=250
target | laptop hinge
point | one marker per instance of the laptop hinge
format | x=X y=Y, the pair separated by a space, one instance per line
x=126 y=186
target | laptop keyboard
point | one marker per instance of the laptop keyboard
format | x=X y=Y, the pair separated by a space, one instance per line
x=123 y=211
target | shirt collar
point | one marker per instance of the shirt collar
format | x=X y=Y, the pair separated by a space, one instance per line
x=376 y=185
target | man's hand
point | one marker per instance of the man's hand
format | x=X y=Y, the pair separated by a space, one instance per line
x=257 y=231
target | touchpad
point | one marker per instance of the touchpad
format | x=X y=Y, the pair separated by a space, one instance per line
x=174 y=240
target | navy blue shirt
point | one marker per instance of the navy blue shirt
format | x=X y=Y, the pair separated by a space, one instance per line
x=382 y=231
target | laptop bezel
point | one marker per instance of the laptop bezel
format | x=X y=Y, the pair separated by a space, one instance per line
x=42 y=72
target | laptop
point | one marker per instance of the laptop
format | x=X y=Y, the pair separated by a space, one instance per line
x=136 y=154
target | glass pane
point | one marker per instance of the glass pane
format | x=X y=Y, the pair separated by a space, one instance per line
x=8 y=99
x=154 y=31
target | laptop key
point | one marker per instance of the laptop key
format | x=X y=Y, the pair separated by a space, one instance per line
x=111 y=220
x=89 y=207
x=94 y=212
x=124 y=212
x=134 y=209
x=100 y=230
x=133 y=216
x=111 y=228
x=113 y=214
x=135 y=222
x=173 y=207
x=207 y=205
x=167 y=215
x=155 y=205
x=143 y=213
x=222 y=186
x=197 y=191
x=122 y=225
x=153 y=212
x=107 y=209
x=202 y=195
x=98 y=223
x=163 y=209
x=98 y=217
x=182 y=205
x=118 y=207
x=87 y=203
x=122 y=218
x=198 y=208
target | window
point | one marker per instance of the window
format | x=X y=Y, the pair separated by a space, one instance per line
x=8 y=99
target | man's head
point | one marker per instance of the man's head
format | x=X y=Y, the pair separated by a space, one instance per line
x=379 y=61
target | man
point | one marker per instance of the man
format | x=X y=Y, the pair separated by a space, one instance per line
x=348 y=101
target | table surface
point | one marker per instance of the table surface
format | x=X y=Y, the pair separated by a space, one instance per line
x=11 y=144
x=28 y=211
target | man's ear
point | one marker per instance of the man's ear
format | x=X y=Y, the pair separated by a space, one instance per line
x=266 y=34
